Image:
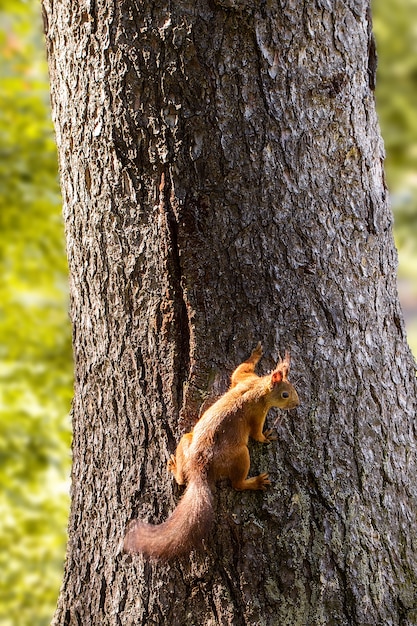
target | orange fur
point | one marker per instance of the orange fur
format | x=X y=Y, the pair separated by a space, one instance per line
x=217 y=448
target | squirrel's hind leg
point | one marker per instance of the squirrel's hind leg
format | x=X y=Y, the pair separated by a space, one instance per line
x=247 y=367
x=177 y=461
x=238 y=472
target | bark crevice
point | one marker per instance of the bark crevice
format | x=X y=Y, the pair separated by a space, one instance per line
x=182 y=322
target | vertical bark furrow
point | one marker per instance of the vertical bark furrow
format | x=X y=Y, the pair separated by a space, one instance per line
x=181 y=321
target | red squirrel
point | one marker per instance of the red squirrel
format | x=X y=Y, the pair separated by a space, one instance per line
x=215 y=449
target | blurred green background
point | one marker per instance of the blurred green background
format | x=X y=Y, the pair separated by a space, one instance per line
x=35 y=342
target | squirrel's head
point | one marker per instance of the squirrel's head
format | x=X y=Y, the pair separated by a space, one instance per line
x=283 y=393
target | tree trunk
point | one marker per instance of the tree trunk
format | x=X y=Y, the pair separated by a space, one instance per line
x=221 y=169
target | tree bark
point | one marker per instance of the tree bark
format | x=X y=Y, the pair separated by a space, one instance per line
x=222 y=175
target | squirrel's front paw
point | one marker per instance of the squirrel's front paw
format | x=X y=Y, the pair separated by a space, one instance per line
x=269 y=436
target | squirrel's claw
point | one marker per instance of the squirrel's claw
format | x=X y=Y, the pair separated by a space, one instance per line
x=263 y=481
x=269 y=436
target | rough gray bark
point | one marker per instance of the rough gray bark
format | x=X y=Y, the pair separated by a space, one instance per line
x=222 y=177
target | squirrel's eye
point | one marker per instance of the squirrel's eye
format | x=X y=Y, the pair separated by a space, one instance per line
x=285 y=394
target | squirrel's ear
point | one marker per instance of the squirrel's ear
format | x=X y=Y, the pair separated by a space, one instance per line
x=282 y=369
x=276 y=377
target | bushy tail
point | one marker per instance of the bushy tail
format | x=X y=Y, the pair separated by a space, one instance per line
x=184 y=530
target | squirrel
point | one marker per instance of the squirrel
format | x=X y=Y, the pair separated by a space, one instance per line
x=216 y=449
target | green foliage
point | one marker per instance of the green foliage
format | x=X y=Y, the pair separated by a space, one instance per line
x=35 y=351
x=395 y=26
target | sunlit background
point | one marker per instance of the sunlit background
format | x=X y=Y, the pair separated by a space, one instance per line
x=35 y=345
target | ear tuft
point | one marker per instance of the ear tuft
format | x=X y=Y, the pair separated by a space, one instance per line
x=282 y=368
